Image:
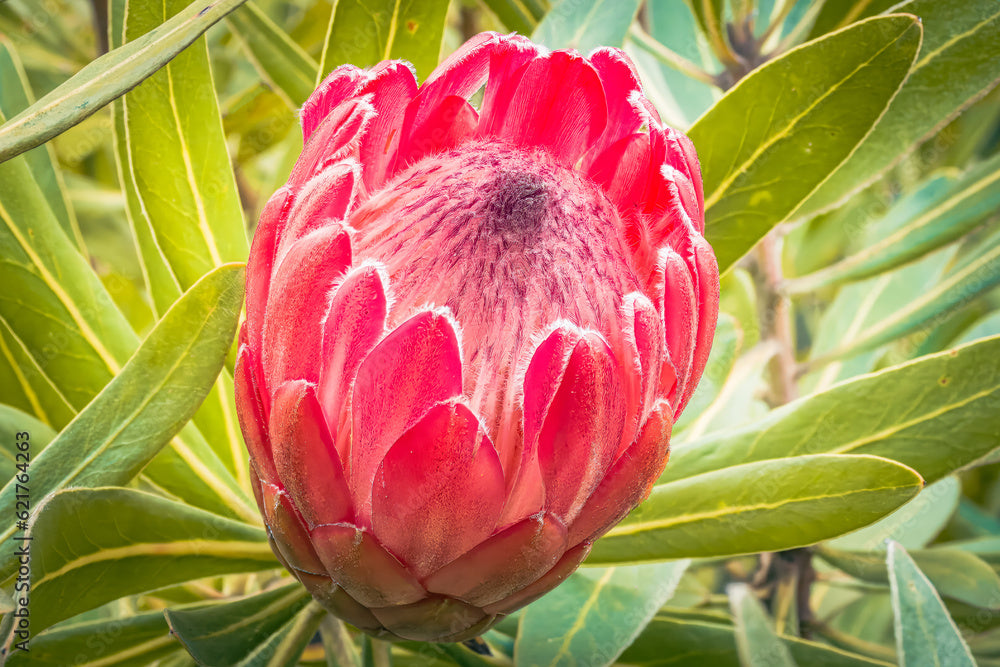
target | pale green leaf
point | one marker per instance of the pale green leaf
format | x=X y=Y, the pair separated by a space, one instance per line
x=756 y=641
x=587 y=24
x=518 y=15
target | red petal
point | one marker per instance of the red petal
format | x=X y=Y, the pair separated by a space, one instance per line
x=621 y=170
x=297 y=303
x=503 y=564
x=681 y=155
x=286 y=529
x=439 y=491
x=391 y=86
x=707 y=273
x=338 y=137
x=508 y=61
x=582 y=428
x=622 y=91
x=305 y=457
x=260 y=264
x=353 y=325
x=559 y=104
x=449 y=124
x=414 y=367
x=433 y=619
x=465 y=70
x=250 y=411
x=359 y=564
x=323 y=199
x=337 y=87
x=629 y=481
x=679 y=312
x=646 y=328
x=565 y=567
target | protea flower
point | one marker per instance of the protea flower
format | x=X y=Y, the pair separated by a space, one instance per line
x=469 y=331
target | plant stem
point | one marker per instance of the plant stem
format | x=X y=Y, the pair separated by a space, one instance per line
x=649 y=44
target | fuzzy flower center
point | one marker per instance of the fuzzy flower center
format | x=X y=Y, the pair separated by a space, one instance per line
x=510 y=241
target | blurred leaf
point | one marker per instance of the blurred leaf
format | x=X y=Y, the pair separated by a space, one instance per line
x=956 y=574
x=230 y=633
x=289 y=70
x=518 y=15
x=91 y=546
x=136 y=640
x=726 y=348
x=108 y=77
x=585 y=25
x=16 y=96
x=756 y=641
x=761 y=160
x=24 y=384
x=936 y=414
x=679 y=642
x=12 y=422
x=925 y=633
x=959 y=61
x=147 y=403
x=763 y=506
x=593 y=616
x=946 y=217
x=913 y=525
x=836 y=14
x=365 y=32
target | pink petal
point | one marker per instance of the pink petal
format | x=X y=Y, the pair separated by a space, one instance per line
x=298 y=302
x=305 y=457
x=323 y=199
x=682 y=156
x=260 y=264
x=679 y=313
x=340 y=85
x=449 y=124
x=559 y=104
x=415 y=366
x=285 y=527
x=623 y=93
x=434 y=619
x=439 y=491
x=353 y=325
x=582 y=425
x=629 y=480
x=503 y=564
x=465 y=70
x=646 y=327
x=338 y=137
x=707 y=273
x=250 y=411
x=508 y=61
x=621 y=170
x=359 y=564
x=391 y=86
x=565 y=567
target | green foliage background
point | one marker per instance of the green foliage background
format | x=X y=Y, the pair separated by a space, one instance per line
x=851 y=159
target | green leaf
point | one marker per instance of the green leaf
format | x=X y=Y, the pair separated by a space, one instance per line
x=725 y=349
x=518 y=15
x=228 y=633
x=137 y=640
x=365 y=32
x=594 y=615
x=108 y=77
x=836 y=14
x=155 y=394
x=958 y=575
x=763 y=506
x=290 y=71
x=16 y=96
x=12 y=422
x=756 y=641
x=913 y=525
x=947 y=217
x=936 y=414
x=779 y=133
x=91 y=546
x=959 y=61
x=587 y=24
x=681 y=642
x=925 y=633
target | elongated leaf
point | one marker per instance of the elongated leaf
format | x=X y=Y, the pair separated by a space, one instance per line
x=139 y=411
x=137 y=641
x=936 y=414
x=836 y=15
x=925 y=633
x=91 y=546
x=763 y=506
x=725 y=350
x=13 y=422
x=958 y=575
x=756 y=641
x=221 y=635
x=680 y=642
x=586 y=25
x=592 y=617
x=959 y=60
x=15 y=96
x=947 y=217
x=913 y=525
x=365 y=32
x=290 y=70
x=108 y=77
x=781 y=131
x=518 y=15
x=25 y=385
